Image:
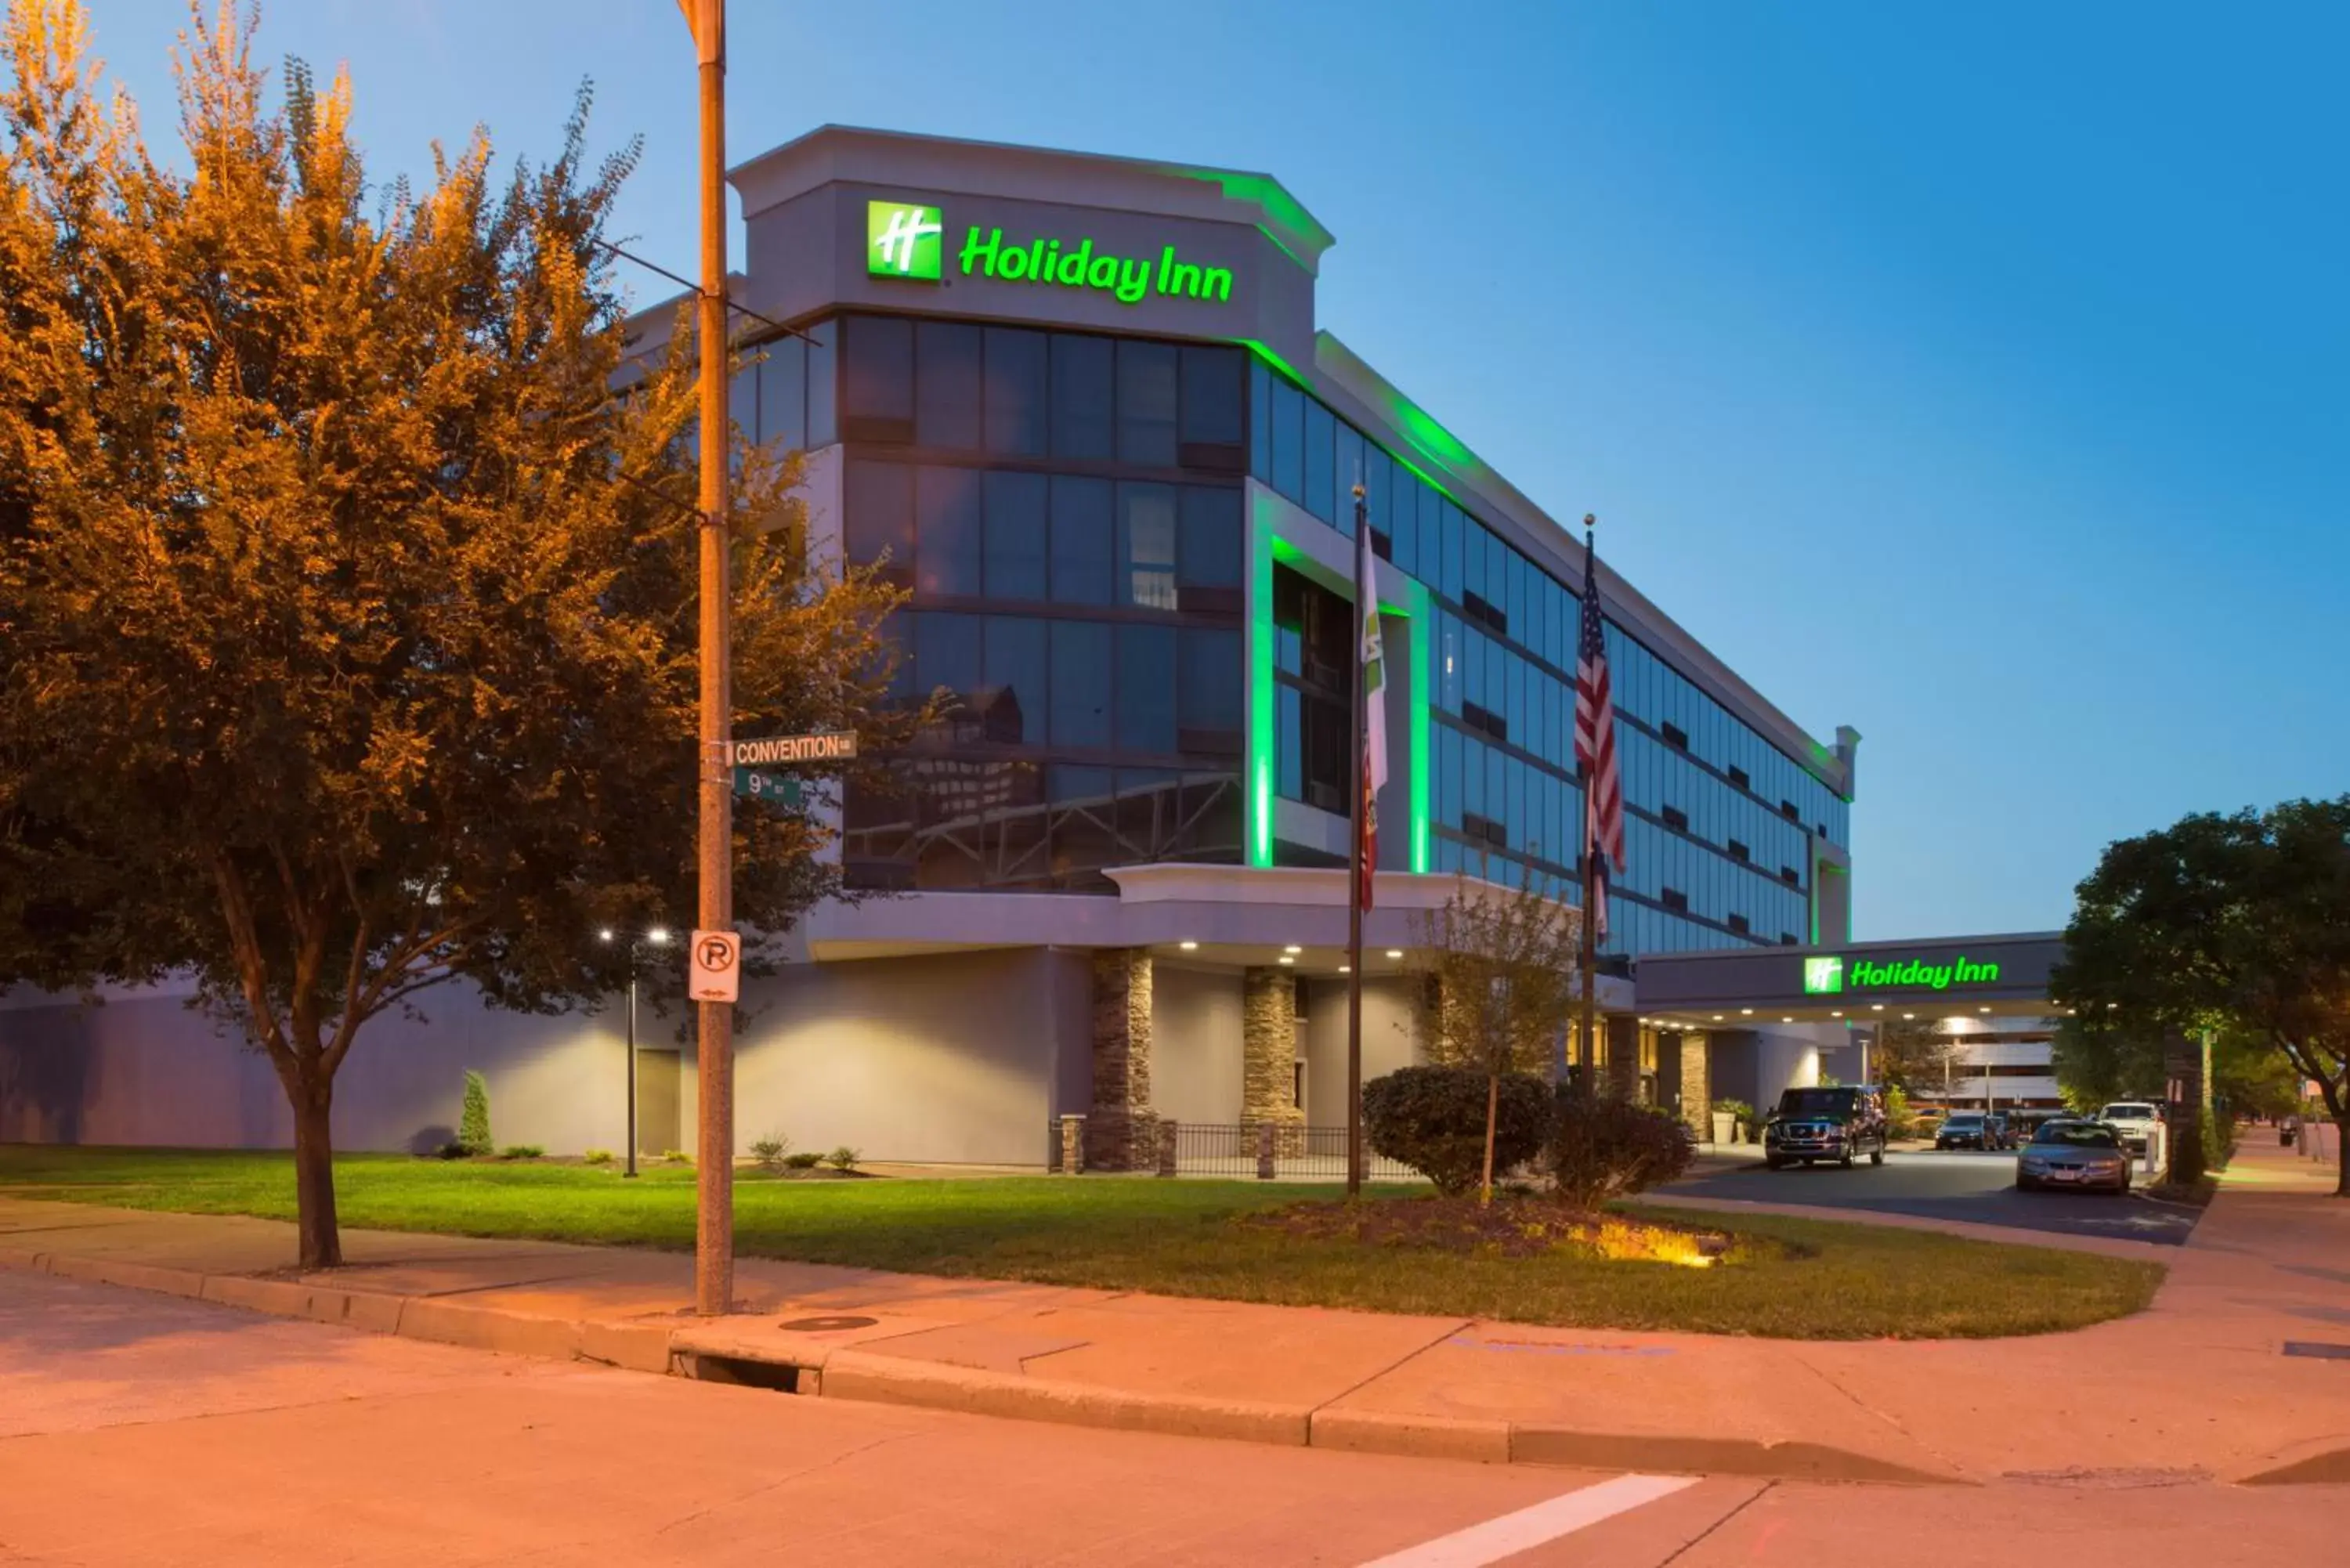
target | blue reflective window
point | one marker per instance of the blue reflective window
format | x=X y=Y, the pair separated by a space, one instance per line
x=1081 y=683
x=1083 y=562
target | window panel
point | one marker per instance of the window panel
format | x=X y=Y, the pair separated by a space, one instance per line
x=1083 y=562
x=1016 y=413
x=1146 y=688
x=877 y=378
x=1288 y=440
x=1260 y=422
x=1149 y=400
x=1016 y=520
x=947 y=531
x=880 y=504
x=1349 y=469
x=1081 y=683
x=823 y=385
x=1083 y=389
x=1014 y=703
x=947 y=651
x=1209 y=690
x=783 y=394
x=1146 y=546
x=947 y=401
x=1211 y=396
x=1321 y=430
x=1209 y=552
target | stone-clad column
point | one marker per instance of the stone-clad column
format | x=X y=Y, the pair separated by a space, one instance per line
x=1119 y=1132
x=1696 y=1086
x=1623 y=1036
x=1269 y=1057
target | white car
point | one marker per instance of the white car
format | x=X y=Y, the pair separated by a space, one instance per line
x=2134 y=1120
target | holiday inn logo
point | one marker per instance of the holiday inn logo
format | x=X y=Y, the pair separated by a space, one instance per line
x=1829 y=976
x=903 y=239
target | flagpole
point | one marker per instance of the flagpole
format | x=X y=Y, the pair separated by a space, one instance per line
x=1590 y=858
x=1355 y=869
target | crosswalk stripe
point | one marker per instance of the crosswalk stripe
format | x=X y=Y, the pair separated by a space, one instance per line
x=1530 y=1527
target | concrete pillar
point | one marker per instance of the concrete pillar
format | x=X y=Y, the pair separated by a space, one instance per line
x=1073 y=1145
x=1119 y=1133
x=1167 y=1136
x=1697 y=1085
x=1622 y=1033
x=1269 y=1057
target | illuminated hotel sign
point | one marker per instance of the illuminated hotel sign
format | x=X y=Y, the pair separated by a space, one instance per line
x=1831 y=975
x=906 y=238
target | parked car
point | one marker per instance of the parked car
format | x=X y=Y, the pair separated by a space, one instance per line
x=2002 y=1128
x=2087 y=1155
x=1966 y=1129
x=2134 y=1120
x=1840 y=1123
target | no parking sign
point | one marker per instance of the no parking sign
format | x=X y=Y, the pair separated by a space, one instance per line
x=714 y=967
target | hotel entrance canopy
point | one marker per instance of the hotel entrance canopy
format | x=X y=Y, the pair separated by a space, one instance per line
x=1858 y=982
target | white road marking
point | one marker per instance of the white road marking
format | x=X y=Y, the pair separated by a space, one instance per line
x=1530 y=1527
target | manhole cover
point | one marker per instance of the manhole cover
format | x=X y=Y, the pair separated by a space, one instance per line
x=2317 y=1348
x=825 y=1324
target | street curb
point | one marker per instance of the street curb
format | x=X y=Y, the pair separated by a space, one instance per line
x=847 y=1374
x=857 y=1374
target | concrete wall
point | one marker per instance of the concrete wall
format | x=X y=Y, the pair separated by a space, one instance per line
x=1195 y=1045
x=147 y=1069
x=1390 y=1040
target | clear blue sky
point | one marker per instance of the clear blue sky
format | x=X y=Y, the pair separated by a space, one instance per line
x=1980 y=378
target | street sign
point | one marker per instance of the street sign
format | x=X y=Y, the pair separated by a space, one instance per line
x=776 y=787
x=823 y=746
x=714 y=967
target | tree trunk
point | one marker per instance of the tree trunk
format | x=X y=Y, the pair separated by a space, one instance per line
x=1493 y=1114
x=2341 y=1154
x=314 y=1174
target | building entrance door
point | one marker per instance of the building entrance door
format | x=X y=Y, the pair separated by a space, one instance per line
x=658 y=1072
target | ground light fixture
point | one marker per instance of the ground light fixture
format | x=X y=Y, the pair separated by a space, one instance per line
x=1717 y=1018
x=1908 y=1016
x=1346 y=969
x=1877 y=1007
x=1394 y=952
x=1746 y=1013
x=658 y=936
x=1293 y=949
x=1189 y=947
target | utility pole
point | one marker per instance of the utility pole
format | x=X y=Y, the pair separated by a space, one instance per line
x=714 y=1232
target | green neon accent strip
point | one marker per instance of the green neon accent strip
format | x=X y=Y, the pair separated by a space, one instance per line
x=902 y=240
x=1423 y=676
x=1275 y=363
x=1258 y=806
x=1281 y=209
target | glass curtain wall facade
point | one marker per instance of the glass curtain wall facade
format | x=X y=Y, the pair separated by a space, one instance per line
x=1066 y=509
x=1719 y=820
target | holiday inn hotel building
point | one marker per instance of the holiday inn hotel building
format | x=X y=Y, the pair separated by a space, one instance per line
x=1081 y=408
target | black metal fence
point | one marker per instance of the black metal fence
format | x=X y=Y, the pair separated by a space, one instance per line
x=1261 y=1151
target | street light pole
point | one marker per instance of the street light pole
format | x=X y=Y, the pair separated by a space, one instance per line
x=632 y=1170
x=713 y=1235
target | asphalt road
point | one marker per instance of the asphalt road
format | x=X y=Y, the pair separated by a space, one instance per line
x=148 y=1429
x=1957 y=1185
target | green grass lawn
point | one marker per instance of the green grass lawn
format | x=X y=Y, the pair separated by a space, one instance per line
x=1806 y=1280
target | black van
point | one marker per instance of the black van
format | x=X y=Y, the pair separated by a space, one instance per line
x=1841 y=1124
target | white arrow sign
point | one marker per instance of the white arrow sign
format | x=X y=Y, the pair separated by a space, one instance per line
x=714 y=967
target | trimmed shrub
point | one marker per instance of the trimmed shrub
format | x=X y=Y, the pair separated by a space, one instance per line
x=1433 y=1120
x=1603 y=1149
x=521 y=1151
x=843 y=1158
x=677 y=1156
x=769 y=1151
x=805 y=1159
x=473 y=1124
x=596 y=1156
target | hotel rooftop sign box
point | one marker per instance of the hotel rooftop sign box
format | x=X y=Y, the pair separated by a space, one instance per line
x=908 y=241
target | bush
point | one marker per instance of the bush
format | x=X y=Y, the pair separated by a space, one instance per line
x=521 y=1151
x=596 y=1156
x=769 y=1151
x=1433 y=1120
x=452 y=1151
x=677 y=1156
x=842 y=1159
x=805 y=1159
x=1603 y=1149
x=1899 y=1121
x=473 y=1124
x=1739 y=1109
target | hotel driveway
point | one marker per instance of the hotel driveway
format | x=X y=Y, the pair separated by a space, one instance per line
x=1961 y=1186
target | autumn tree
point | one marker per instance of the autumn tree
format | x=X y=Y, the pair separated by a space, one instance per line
x=1913 y=1053
x=2237 y=924
x=349 y=615
x=1497 y=973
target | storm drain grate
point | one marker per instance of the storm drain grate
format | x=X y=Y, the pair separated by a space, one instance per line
x=2318 y=1349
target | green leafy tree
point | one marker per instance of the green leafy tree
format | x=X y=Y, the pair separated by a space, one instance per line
x=2239 y=924
x=350 y=616
x=1497 y=986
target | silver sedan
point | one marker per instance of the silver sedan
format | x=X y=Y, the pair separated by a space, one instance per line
x=2086 y=1155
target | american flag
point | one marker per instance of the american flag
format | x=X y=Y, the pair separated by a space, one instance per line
x=1595 y=747
x=1374 y=759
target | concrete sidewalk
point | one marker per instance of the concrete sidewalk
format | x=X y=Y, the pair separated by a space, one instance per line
x=2198 y=1385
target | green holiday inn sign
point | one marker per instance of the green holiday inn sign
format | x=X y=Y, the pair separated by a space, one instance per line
x=907 y=240
x=1833 y=975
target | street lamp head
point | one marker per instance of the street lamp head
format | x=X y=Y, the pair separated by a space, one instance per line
x=604 y=935
x=658 y=936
